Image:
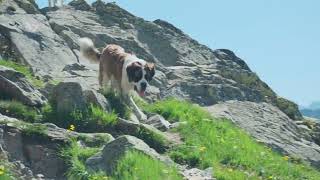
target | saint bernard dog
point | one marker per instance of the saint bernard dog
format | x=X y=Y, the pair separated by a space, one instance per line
x=124 y=71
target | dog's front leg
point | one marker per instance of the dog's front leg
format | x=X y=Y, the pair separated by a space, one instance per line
x=140 y=115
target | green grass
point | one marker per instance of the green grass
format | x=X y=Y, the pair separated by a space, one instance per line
x=5 y=169
x=24 y=70
x=137 y=166
x=18 y=110
x=75 y=156
x=93 y=119
x=34 y=130
x=218 y=143
x=153 y=139
x=117 y=105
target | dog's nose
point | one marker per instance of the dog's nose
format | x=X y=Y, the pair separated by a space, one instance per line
x=143 y=86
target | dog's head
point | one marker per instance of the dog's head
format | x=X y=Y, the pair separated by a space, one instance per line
x=140 y=75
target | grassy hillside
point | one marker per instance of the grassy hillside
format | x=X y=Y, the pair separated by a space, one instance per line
x=232 y=152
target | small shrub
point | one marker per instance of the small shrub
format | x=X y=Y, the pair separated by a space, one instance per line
x=24 y=70
x=18 y=110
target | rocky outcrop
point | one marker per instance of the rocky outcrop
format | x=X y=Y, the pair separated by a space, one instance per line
x=36 y=147
x=270 y=126
x=107 y=159
x=71 y=95
x=14 y=85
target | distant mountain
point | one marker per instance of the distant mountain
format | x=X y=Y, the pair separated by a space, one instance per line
x=313 y=110
x=315 y=105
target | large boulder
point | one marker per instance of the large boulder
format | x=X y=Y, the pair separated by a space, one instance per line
x=270 y=126
x=14 y=85
x=70 y=95
x=107 y=159
x=149 y=134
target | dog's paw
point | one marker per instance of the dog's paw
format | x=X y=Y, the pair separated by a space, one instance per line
x=143 y=117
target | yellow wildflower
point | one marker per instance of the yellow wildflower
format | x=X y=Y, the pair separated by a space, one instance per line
x=230 y=169
x=270 y=177
x=1 y=170
x=202 y=149
x=286 y=158
x=72 y=127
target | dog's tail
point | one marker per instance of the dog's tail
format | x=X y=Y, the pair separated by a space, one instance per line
x=88 y=50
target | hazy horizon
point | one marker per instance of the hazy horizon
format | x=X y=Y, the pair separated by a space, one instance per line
x=278 y=40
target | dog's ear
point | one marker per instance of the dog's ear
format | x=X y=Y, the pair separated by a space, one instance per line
x=134 y=71
x=151 y=67
x=150 y=71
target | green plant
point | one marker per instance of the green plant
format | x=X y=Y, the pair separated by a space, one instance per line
x=153 y=139
x=93 y=118
x=75 y=156
x=24 y=70
x=116 y=103
x=34 y=130
x=5 y=169
x=18 y=110
x=136 y=165
x=231 y=151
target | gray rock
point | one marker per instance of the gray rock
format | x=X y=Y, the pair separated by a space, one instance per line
x=144 y=132
x=197 y=174
x=14 y=85
x=270 y=126
x=39 y=154
x=107 y=159
x=70 y=95
x=158 y=122
x=33 y=41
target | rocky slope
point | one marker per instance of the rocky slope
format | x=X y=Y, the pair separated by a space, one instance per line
x=183 y=64
x=46 y=41
x=272 y=127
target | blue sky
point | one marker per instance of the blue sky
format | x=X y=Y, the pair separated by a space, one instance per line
x=279 y=39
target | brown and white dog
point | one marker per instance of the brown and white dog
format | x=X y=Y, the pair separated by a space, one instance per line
x=125 y=71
